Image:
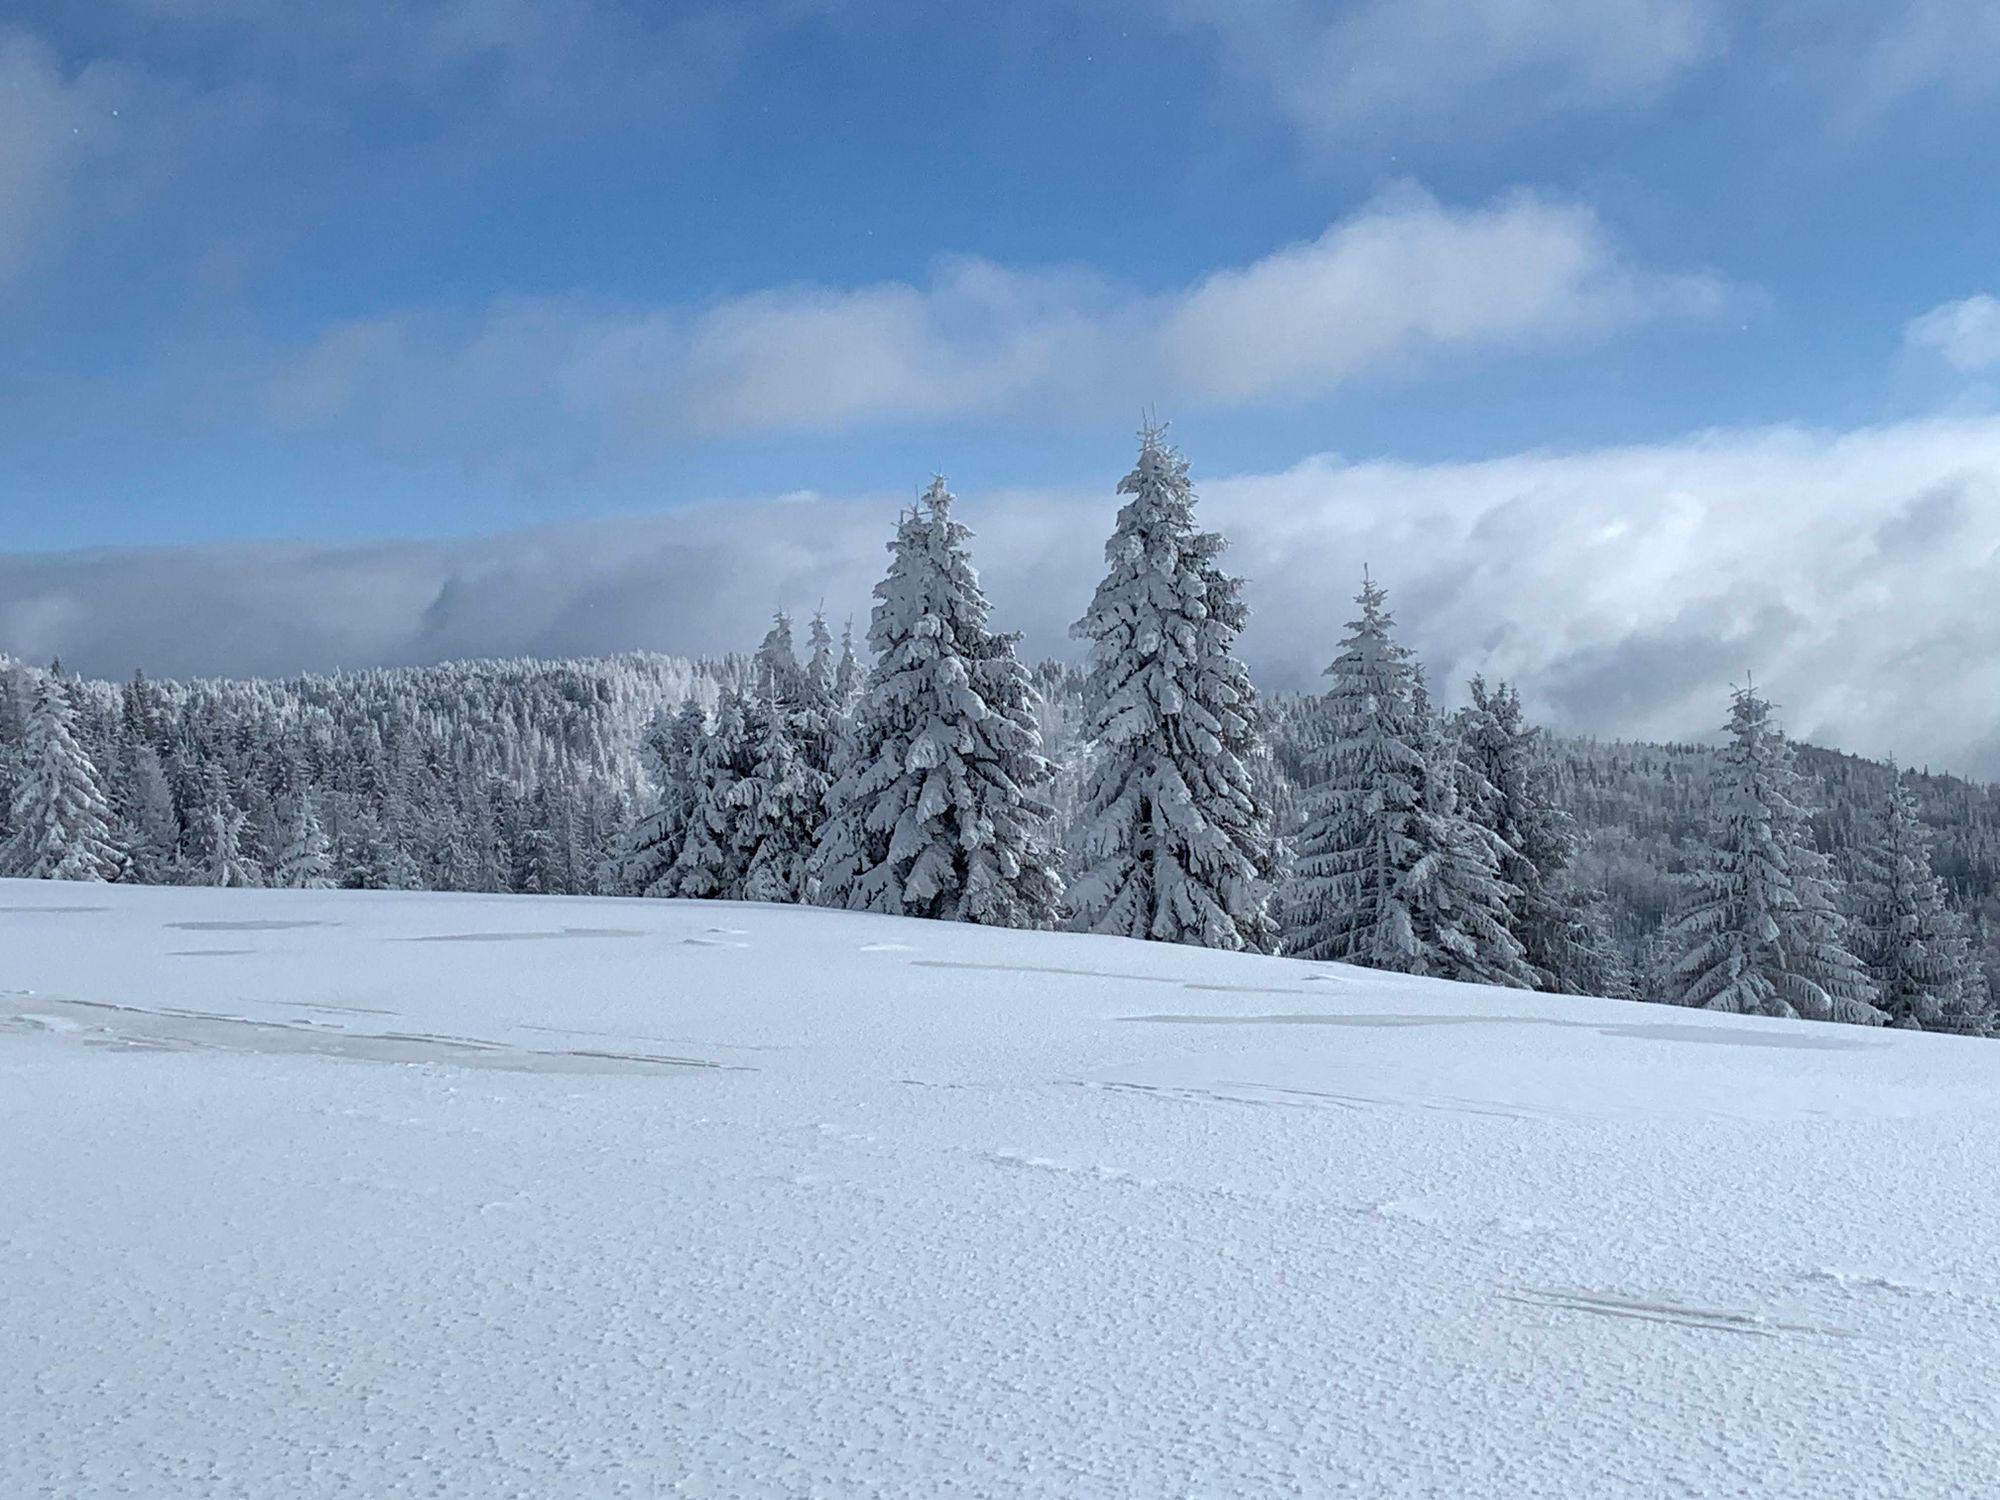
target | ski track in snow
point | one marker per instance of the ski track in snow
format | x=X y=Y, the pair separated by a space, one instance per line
x=535 y=1197
x=124 y=1027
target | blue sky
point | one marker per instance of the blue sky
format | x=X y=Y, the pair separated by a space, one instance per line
x=210 y=189
x=337 y=274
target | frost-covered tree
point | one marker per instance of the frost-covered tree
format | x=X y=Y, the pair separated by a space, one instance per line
x=539 y=866
x=710 y=865
x=227 y=864
x=305 y=861
x=1171 y=840
x=939 y=809
x=371 y=858
x=16 y=701
x=820 y=711
x=848 y=676
x=673 y=749
x=1914 y=946
x=776 y=668
x=1461 y=908
x=1507 y=786
x=778 y=805
x=1759 y=931
x=1348 y=897
x=149 y=828
x=60 y=818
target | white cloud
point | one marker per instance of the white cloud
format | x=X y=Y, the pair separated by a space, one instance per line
x=1964 y=334
x=1923 y=45
x=57 y=126
x=1404 y=281
x=1860 y=62
x=1343 y=70
x=1406 y=278
x=1625 y=588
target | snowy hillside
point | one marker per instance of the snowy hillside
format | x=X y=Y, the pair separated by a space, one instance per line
x=361 y=1194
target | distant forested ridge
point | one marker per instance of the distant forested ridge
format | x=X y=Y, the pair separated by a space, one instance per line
x=1149 y=791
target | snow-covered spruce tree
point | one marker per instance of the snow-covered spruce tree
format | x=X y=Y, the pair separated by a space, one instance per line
x=1461 y=908
x=789 y=724
x=1171 y=841
x=775 y=668
x=1507 y=786
x=711 y=861
x=818 y=715
x=60 y=817
x=149 y=828
x=1758 y=931
x=16 y=700
x=228 y=865
x=305 y=861
x=672 y=753
x=778 y=804
x=939 y=809
x=535 y=865
x=370 y=858
x=1914 y=945
x=1348 y=897
x=848 y=676
x=820 y=669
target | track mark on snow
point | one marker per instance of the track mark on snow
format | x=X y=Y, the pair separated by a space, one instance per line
x=558 y=935
x=1680 y=1314
x=244 y=926
x=1244 y=989
x=49 y=911
x=1649 y=1031
x=1272 y=1095
x=1185 y=984
x=129 y=1028
x=953 y=963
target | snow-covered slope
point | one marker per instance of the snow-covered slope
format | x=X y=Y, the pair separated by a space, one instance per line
x=363 y=1194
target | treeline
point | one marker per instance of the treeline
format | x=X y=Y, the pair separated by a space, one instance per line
x=1150 y=794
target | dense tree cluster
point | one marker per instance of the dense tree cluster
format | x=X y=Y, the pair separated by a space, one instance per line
x=496 y=776
x=1148 y=793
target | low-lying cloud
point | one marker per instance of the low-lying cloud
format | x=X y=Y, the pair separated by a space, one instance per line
x=1624 y=588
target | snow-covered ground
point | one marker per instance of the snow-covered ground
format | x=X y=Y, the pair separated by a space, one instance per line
x=363 y=1194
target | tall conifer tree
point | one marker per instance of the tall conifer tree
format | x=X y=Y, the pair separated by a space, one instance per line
x=1759 y=931
x=939 y=809
x=60 y=818
x=1172 y=841
x=1914 y=945
x=1348 y=898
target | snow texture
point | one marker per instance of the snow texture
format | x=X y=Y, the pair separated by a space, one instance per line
x=337 y=1193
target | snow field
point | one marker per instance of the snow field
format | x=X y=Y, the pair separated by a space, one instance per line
x=332 y=1193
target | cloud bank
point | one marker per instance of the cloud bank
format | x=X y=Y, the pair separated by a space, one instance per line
x=1405 y=280
x=1624 y=588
